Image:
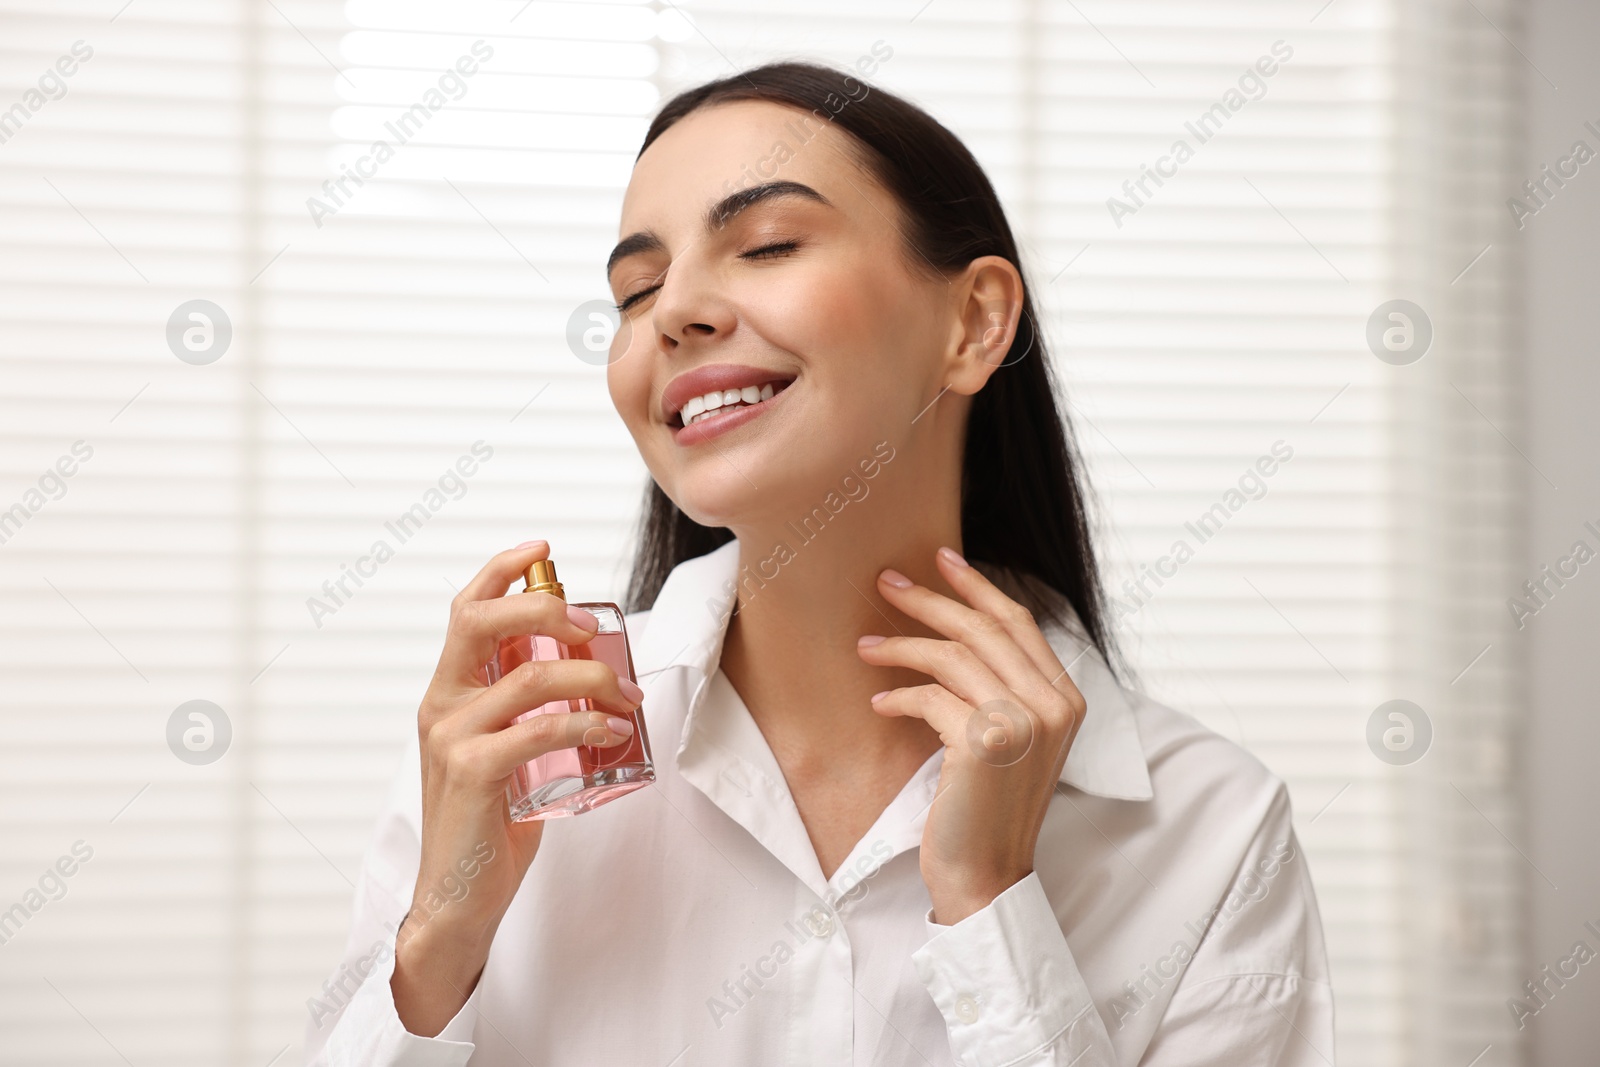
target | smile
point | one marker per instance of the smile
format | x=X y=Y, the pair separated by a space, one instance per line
x=700 y=408
x=709 y=401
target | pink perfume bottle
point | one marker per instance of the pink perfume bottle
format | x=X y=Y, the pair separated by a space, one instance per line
x=571 y=781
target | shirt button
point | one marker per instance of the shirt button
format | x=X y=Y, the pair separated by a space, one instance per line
x=966 y=1009
x=823 y=927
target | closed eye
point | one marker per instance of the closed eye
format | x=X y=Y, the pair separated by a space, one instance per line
x=764 y=252
x=768 y=251
x=629 y=301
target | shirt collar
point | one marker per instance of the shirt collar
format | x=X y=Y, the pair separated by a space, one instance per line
x=690 y=617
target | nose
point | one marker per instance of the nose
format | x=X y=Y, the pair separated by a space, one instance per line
x=689 y=310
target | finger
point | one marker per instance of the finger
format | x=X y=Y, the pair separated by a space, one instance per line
x=478 y=628
x=933 y=704
x=497 y=755
x=1018 y=621
x=950 y=663
x=502 y=569
x=999 y=733
x=983 y=633
x=534 y=684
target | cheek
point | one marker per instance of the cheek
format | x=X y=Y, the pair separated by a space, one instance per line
x=838 y=321
x=628 y=381
x=850 y=300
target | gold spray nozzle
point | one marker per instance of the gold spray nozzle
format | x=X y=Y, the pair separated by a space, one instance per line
x=541 y=578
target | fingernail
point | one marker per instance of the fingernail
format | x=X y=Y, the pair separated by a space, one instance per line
x=868 y=641
x=619 y=726
x=630 y=690
x=896 y=579
x=879 y=696
x=530 y=544
x=582 y=619
x=952 y=556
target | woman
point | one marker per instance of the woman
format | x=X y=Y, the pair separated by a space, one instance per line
x=904 y=814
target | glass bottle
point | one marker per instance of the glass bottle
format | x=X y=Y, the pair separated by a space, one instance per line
x=570 y=781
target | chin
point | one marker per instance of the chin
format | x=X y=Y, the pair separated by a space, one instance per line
x=723 y=498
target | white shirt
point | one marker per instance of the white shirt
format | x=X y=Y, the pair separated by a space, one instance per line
x=1170 y=918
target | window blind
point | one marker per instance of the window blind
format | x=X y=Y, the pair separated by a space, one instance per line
x=396 y=374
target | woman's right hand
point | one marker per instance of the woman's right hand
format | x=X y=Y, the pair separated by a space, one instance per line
x=473 y=856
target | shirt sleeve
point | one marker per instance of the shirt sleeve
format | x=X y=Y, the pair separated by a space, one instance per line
x=1008 y=986
x=1254 y=993
x=353 y=1020
x=1257 y=992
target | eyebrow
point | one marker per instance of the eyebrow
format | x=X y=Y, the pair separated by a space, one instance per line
x=717 y=216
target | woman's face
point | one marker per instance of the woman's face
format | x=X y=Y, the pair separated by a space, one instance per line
x=795 y=289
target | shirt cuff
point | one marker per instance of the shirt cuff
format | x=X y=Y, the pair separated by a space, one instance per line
x=370 y=1033
x=1007 y=985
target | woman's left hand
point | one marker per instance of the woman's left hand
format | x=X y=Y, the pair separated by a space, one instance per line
x=1007 y=713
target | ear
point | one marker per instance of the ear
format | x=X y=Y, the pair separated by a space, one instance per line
x=988 y=305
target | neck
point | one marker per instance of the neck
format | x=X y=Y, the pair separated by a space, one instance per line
x=808 y=589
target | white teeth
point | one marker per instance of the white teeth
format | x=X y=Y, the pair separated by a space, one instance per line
x=703 y=407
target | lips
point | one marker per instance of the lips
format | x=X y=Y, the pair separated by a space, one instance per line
x=699 y=397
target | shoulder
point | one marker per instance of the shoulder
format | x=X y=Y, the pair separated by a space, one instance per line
x=1179 y=743
x=1210 y=779
x=1242 y=859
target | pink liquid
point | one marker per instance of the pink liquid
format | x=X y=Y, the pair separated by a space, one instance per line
x=570 y=781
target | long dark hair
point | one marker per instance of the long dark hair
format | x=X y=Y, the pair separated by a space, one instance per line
x=1022 y=494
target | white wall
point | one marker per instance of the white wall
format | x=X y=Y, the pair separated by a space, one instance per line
x=1561 y=251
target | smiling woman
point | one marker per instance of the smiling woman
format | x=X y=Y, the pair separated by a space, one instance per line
x=950 y=735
